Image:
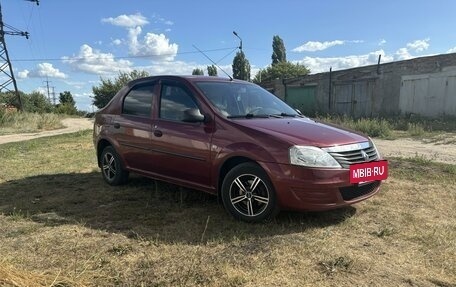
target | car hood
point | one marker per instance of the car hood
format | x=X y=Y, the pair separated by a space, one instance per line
x=303 y=131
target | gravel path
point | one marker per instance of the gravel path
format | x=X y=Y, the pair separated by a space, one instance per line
x=71 y=125
x=441 y=148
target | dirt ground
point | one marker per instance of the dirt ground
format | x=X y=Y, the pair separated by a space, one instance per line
x=71 y=125
x=441 y=148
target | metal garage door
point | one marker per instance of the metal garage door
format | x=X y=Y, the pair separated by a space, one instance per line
x=302 y=98
x=353 y=99
x=429 y=95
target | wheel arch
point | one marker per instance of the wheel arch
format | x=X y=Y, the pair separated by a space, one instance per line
x=228 y=165
x=101 y=145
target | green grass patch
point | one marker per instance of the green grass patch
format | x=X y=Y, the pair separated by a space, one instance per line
x=59 y=154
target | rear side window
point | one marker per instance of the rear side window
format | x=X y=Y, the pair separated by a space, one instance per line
x=138 y=102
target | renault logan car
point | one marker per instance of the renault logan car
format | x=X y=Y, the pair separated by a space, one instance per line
x=233 y=139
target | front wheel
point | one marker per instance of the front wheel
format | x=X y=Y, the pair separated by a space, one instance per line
x=111 y=167
x=248 y=194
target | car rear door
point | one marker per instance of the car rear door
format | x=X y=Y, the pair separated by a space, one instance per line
x=133 y=126
x=182 y=148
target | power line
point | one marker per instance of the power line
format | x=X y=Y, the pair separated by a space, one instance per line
x=118 y=57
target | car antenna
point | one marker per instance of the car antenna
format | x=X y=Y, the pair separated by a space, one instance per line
x=231 y=78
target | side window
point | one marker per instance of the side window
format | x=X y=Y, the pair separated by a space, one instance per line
x=138 y=101
x=174 y=102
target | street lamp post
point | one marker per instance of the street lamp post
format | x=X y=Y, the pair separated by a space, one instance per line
x=240 y=45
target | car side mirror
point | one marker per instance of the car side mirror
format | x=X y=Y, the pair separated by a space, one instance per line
x=193 y=116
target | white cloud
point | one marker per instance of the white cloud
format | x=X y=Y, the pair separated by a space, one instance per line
x=452 y=50
x=170 y=67
x=419 y=45
x=382 y=42
x=416 y=46
x=318 y=65
x=96 y=62
x=42 y=70
x=181 y=68
x=313 y=46
x=128 y=21
x=84 y=102
x=160 y=20
x=75 y=84
x=116 y=42
x=41 y=90
x=156 y=45
x=23 y=74
x=403 y=54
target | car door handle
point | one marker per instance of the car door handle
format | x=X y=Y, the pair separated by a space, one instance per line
x=116 y=125
x=158 y=133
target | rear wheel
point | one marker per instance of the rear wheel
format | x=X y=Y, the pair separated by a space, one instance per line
x=111 y=167
x=248 y=194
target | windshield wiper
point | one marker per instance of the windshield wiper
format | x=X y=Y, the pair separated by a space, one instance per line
x=248 y=116
x=291 y=115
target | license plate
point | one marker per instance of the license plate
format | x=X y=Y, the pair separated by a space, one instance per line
x=368 y=171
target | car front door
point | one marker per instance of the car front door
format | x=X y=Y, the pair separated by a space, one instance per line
x=182 y=148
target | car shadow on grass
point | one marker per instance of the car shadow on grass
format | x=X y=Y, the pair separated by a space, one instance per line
x=144 y=209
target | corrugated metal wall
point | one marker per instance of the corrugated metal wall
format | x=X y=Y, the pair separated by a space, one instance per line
x=430 y=95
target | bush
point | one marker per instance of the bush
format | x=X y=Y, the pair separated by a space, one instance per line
x=371 y=127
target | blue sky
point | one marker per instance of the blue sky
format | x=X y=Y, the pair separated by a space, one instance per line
x=74 y=43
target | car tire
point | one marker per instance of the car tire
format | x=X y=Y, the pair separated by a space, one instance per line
x=111 y=167
x=248 y=194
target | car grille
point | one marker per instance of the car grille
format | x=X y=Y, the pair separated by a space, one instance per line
x=352 y=192
x=352 y=154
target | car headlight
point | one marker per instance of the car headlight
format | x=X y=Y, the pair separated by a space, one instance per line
x=312 y=157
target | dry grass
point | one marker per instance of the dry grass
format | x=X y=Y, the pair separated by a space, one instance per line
x=59 y=221
x=23 y=122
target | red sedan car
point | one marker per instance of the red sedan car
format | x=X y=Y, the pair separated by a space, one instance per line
x=233 y=139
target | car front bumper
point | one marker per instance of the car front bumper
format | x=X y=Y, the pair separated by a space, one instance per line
x=314 y=189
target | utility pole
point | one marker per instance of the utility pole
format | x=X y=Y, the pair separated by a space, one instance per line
x=53 y=95
x=48 y=89
x=5 y=64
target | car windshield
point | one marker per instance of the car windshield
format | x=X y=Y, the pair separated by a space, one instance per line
x=244 y=100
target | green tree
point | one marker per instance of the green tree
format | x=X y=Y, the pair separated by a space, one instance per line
x=67 y=104
x=198 y=72
x=66 y=98
x=282 y=70
x=241 y=67
x=212 y=70
x=37 y=103
x=278 y=50
x=108 y=87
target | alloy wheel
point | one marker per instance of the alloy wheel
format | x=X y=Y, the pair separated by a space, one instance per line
x=249 y=195
x=109 y=166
